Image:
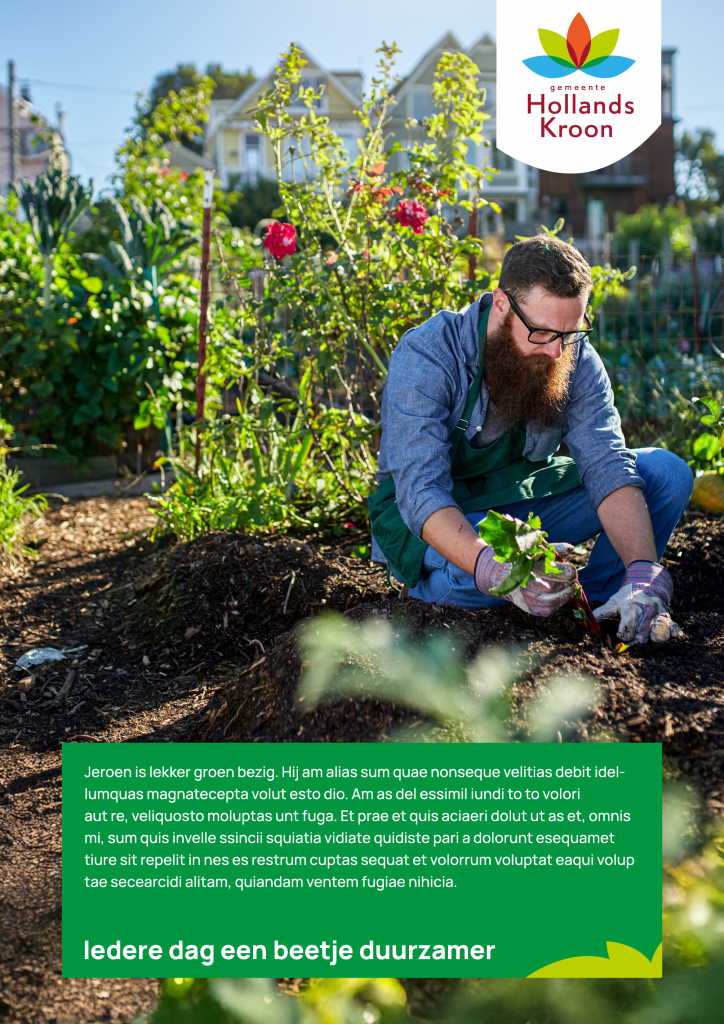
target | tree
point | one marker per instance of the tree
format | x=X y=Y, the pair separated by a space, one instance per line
x=651 y=226
x=229 y=84
x=254 y=203
x=226 y=85
x=143 y=158
x=699 y=170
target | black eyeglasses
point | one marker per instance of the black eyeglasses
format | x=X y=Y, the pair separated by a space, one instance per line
x=544 y=335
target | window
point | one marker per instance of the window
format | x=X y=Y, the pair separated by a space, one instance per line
x=422 y=103
x=308 y=81
x=351 y=148
x=252 y=147
x=501 y=161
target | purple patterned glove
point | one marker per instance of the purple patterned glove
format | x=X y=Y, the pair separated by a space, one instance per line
x=544 y=593
x=642 y=604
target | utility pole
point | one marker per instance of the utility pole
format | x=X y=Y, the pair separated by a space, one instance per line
x=205 y=257
x=13 y=133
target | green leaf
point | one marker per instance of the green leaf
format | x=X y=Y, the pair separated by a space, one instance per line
x=602 y=45
x=520 y=544
x=555 y=46
x=707 y=446
x=92 y=284
x=712 y=405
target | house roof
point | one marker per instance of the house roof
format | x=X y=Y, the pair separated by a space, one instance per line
x=446 y=42
x=187 y=160
x=264 y=82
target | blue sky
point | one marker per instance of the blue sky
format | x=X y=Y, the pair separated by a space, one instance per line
x=113 y=50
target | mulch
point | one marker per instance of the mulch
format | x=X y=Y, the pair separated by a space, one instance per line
x=198 y=641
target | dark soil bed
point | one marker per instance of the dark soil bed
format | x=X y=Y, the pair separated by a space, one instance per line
x=198 y=642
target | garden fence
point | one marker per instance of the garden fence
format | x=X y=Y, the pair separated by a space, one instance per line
x=664 y=337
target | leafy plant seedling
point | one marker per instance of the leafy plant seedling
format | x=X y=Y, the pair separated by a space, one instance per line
x=520 y=544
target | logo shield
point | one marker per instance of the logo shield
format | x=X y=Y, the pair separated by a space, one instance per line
x=578 y=83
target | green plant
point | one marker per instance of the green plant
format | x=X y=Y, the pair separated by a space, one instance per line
x=152 y=243
x=52 y=204
x=259 y=1001
x=143 y=158
x=520 y=544
x=73 y=375
x=152 y=239
x=654 y=228
x=280 y=462
x=709 y=444
x=120 y=338
x=15 y=510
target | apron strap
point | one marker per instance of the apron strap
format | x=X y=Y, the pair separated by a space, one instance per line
x=474 y=391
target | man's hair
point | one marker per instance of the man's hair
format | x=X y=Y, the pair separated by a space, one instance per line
x=547 y=261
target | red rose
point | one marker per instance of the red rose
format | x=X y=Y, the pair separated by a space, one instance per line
x=411 y=214
x=281 y=239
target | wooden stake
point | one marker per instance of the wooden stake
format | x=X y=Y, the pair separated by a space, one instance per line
x=472 y=233
x=205 y=251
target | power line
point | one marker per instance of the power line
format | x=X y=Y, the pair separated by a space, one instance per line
x=94 y=142
x=90 y=88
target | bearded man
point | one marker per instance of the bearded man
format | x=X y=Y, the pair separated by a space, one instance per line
x=475 y=408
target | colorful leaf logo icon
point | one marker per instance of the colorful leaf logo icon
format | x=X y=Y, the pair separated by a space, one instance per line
x=578 y=52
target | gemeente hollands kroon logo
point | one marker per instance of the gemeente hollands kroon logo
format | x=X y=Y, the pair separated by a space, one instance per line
x=564 y=56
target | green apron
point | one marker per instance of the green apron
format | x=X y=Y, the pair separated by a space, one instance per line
x=483 y=478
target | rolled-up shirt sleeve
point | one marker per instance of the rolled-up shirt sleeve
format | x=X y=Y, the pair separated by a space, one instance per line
x=593 y=432
x=422 y=403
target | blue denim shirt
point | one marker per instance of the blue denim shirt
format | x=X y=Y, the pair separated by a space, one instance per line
x=430 y=373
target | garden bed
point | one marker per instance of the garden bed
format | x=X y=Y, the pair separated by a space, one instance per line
x=197 y=642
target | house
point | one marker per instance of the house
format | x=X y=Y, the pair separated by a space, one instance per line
x=241 y=154
x=37 y=141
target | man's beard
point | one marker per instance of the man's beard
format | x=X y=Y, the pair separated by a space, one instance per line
x=525 y=388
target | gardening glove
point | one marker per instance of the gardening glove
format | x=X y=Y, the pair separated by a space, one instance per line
x=543 y=594
x=642 y=604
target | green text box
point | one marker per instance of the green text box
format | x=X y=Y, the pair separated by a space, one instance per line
x=336 y=860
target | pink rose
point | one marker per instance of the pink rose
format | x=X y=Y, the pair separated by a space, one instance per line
x=281 y=239
x=411 y=214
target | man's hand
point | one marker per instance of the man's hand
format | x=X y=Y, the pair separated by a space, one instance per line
x=544 y=593
x=642 y=604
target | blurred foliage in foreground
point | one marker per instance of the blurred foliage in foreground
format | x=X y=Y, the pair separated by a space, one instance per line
x=260 y=1001
x=467 y=704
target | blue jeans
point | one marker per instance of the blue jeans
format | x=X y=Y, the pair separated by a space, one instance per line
x=569 y=518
